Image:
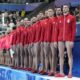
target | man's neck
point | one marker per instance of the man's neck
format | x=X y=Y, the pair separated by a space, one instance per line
x=58 y=15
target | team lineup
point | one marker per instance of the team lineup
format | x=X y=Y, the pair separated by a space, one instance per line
x=40 y=40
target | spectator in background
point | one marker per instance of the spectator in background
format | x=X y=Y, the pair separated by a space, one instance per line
x=23 y=13
x=11 y=17
x=17 y=22
x=0 y=21
x=14 y=17
x=77 y=14
x=4 y=18
x=11 y=24
x=17 y=13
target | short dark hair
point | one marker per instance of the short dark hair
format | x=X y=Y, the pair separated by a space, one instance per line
x=57 y=7
x=66 y=5
x=50 y=8
x=14 y=28
x=41 y=12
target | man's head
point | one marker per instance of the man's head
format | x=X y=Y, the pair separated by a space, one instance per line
x=22 y=22
x=28 y=23
x=65 y=9
x=33 y=19
x=40 y=16
x=25 y=21
x=50 y=12
x=58 y=11
x=46 y=13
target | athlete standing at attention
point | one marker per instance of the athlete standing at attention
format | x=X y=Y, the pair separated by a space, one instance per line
x=66 y=37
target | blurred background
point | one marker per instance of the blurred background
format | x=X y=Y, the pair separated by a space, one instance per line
x=13 y=11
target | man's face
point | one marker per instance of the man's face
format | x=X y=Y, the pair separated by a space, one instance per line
x=65 y=8
x=28 y=23
x=58 y=11
x=21 y=22
x=46 y=13
x=33 y=19
x=50 y=12
x=25 y=20
x=40 y=16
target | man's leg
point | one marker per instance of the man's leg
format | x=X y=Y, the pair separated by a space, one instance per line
x=70 y=57
x=7 y=56
x=53 y=57
x=21 y=55
x=30 y=56
x=1 y=57
x=10 y=58
x=61 y=47
x=36 y=55
x=46 y=53
x=14 y=57
x=42 y=55
x=18 y=59
x=26 y=57
x=33 y=56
